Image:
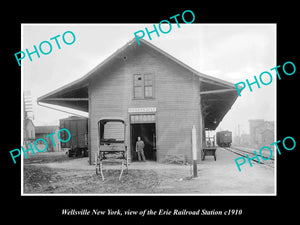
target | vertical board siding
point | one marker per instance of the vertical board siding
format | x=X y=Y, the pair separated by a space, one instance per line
x=114 y=130
x=78 y=129
x=176 y=98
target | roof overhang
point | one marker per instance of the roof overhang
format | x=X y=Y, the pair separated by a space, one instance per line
x=216 y=100
x=217 y=96
x=74 y=96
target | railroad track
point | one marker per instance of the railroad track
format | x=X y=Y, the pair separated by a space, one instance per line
x=241 y=152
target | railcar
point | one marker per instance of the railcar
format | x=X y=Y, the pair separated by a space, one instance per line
x=78 y=127
x=224 y=138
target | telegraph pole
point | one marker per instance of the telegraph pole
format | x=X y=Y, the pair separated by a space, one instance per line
x=194 y=151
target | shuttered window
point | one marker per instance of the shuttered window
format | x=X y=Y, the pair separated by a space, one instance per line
x=143 y=86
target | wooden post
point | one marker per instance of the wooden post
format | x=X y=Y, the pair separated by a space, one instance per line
x=194 y=151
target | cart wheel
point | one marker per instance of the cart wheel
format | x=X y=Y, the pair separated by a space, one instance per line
x=97 y=167
x=96 y=164
x=101 y=169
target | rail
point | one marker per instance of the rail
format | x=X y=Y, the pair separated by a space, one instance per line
x=241 y=152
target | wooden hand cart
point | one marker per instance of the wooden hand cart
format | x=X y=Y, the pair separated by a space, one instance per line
x=111 y=150
x=209 y=151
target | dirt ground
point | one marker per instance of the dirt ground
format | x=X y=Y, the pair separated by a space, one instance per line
x=55 y=173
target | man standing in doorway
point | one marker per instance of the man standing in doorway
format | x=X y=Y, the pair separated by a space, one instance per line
x=139 y=148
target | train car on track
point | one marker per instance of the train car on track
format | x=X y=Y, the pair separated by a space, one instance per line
x=78 y=127
x=224 y=138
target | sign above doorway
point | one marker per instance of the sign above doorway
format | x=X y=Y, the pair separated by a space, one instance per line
x=142 y=118
x=142 y=110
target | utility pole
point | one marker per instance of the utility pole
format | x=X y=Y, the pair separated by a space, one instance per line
x=194 y=151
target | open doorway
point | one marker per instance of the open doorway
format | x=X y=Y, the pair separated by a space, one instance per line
x=147 y=133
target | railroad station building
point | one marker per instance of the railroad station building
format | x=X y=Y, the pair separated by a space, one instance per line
x=160 y=98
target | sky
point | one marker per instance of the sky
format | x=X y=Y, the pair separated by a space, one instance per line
x=231 y=52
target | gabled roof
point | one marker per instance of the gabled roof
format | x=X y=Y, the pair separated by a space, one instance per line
x=75 y=94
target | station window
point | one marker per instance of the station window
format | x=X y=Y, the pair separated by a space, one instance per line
x=143 y=86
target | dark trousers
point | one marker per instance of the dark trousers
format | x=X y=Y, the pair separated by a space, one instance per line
x=141 y=154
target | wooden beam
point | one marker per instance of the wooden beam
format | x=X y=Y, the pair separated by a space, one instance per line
x=67 y=99
x=214 y=99
x=216 y=91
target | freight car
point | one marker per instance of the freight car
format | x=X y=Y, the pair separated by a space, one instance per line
x=224 y=138
x=78 y=127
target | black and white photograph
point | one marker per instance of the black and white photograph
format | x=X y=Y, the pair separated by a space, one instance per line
x=140 y=115
x=182 y=113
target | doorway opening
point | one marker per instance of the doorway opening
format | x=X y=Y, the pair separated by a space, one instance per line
x=147 y=132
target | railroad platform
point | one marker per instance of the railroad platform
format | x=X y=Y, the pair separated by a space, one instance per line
x=220 y=177
x=223 y=176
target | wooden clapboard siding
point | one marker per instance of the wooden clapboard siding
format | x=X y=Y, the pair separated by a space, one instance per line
x=178 y=109
x=176 y=97
x=107 y=96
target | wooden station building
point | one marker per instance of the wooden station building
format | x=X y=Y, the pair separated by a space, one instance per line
x=159 y=97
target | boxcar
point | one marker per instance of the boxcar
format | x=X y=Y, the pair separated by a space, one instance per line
x=224 y=138
x=78 y=127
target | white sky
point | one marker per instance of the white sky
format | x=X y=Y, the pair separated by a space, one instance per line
x=232 y=52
